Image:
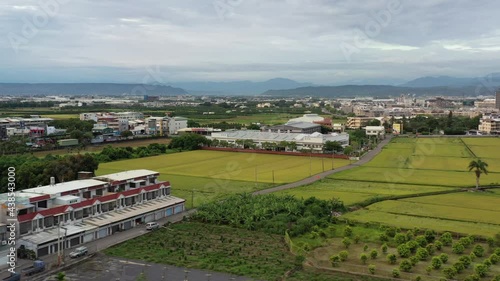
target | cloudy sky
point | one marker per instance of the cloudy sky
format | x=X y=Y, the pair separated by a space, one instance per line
x=319 y=41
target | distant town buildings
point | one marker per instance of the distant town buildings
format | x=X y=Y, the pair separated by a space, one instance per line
x=490 y=124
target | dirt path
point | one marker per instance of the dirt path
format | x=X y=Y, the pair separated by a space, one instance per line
x=365 y=159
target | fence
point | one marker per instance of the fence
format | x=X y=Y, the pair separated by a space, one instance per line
x=319 y=155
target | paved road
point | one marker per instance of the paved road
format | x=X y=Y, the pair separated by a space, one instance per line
x=366 y=158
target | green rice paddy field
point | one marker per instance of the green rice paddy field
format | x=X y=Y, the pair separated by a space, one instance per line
x=209 y=175
x=418 y=166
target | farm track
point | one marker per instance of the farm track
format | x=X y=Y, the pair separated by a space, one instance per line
x=365 y=159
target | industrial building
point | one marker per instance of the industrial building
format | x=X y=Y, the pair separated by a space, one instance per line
x=314 y=141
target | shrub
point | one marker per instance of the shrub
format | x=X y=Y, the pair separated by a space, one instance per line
x=412 y=245
x=450 y=272
x=371 y=268
x=459 y=267
x=458 y=248
x=383 y=237
x=396 y=273
x=472 y=277
x=436 y=263
x=404 y=251
x=438 y=245
x=400 y=238
x=494 y=258
x=390 y=232
x=422 y=242
x=414 y=260
x=418 y=278
x=334 y=260
x=363 y=258
x=409 y=235
x=343 y=255
x=356 y=239
x=466 y=241
x=430 y=235
x=365 y=248
x=443 y=257
x=481 y=270
x=405 y=265
x=422 y=254
x=465 y=260
x=491 y=242
x=446 y=239
x=497 y=251
x=347 y=231
x=496 y=278
x=373 y=254
x=384 y=248
x=347 y=242
x=478 y=250
x=430 y=249
x=472 y=256
x=428 y=270
x=391 y=258
x=487 y=262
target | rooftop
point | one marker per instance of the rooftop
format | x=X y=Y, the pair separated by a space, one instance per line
x=132 y=174
x=62 y=187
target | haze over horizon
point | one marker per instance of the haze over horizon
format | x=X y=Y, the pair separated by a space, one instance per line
x=322 y=42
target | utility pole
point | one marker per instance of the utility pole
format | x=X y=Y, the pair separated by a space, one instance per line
x=192 y=198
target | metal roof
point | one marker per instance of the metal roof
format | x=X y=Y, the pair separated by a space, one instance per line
x=64 y=186
x=127 y=175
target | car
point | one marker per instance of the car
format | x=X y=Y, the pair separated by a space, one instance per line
x=152 y=226
x=78 y=252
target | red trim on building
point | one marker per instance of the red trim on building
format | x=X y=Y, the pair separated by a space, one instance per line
x=26 y=217
x=70 y=192
x=39 y=198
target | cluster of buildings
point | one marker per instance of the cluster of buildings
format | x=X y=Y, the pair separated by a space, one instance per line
x=304 y=132
x=113 y=124
x=72 y=213
x=32 y=127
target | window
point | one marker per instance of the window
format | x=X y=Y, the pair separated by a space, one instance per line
x=42 y=204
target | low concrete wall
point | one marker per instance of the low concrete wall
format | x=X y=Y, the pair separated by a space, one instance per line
x=320 y=155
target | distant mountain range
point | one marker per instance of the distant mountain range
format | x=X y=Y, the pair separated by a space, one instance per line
x=492 y=80
x=432 y=86
x=88 y=89
x=239 y=87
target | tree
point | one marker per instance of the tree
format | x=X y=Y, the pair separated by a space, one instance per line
x=404 y=251
x=374 y=122
x=396 y=273
x=405 y=265
x=126 y=134
x=189 y=142
x=373 y=254
x=333 y=146
x=343 y=255
x=443 y=257
x=481 y=270
x=436 y=263
x=371 y=268
x=253 y=127
x=363 y=258
x=450 y=272
x=458 y=248
x=347 y=242
x=478 y=250
x=392 y=259
x=479 y=167
x=446 y=238
x=334 y=260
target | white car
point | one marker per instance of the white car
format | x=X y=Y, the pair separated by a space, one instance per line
x=152 y=226
x=78 y=252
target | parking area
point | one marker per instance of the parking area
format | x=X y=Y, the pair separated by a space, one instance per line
x=104 y=268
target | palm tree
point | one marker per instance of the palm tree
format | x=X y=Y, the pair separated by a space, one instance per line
x=479 y=167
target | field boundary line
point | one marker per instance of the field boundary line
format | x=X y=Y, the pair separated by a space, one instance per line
x=468 y=149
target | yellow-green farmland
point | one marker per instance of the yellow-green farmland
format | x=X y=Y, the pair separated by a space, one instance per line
x=429 y=165
x=208 y=175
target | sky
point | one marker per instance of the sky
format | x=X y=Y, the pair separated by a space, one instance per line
x=320 y=41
